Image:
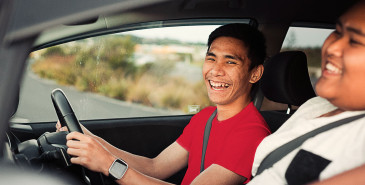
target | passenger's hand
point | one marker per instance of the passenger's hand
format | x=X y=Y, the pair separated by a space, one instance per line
x=89 y=153
x=59 y=127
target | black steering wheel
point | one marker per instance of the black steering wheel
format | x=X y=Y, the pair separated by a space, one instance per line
x=68 y=118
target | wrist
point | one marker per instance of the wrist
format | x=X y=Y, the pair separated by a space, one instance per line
x=109 y=163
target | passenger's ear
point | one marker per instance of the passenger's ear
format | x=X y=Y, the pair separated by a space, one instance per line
x=256 y=73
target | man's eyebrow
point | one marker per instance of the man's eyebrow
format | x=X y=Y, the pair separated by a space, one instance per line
x=234 y=57
x=351 y=29
x=356 y=31
x=210 y=54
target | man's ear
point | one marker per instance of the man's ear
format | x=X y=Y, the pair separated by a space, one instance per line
x=256 y=74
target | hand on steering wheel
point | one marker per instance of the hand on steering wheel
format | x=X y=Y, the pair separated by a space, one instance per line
x=88 y=152
x=67 y=117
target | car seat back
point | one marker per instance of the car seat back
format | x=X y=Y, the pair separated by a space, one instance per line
x=285 y=80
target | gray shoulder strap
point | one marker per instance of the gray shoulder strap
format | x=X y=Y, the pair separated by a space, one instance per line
x=283 y=150
x=206 y=138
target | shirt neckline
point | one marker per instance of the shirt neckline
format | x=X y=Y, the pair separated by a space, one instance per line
x=237 y=116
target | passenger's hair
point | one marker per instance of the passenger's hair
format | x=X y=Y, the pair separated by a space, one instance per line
x=253 y=39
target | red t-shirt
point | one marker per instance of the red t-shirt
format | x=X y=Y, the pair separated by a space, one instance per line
x=232 y=142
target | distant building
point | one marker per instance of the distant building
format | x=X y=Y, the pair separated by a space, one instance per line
x=145 y=53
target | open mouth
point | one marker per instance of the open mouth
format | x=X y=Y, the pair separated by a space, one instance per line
x=330 y=68
x=218 y=85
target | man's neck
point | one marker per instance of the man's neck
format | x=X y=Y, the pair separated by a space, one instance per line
x=225 y=112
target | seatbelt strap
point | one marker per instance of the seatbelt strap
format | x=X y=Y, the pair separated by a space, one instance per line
x=284 y=149
x=206 y=138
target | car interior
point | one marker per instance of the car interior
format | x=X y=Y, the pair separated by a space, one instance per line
x=280 y=84
x=286 y=81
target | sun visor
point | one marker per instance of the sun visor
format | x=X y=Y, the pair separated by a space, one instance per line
x=31 y=17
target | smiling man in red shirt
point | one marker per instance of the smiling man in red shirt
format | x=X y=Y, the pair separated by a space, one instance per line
x=233 y=64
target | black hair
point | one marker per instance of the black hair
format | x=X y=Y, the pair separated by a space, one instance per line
x=253 y=39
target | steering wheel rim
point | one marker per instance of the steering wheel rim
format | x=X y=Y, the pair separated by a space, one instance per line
x=64 y=111
x=68 y=118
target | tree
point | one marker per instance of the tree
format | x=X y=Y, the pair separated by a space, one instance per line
x=118 y=51
x=54 y=50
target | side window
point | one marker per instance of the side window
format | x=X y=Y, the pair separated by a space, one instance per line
x=308 y=40
x=151 y=72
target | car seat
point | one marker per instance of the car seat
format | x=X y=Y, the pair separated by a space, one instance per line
x=285 y=80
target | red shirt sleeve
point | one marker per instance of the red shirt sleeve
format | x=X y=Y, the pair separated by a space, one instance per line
x=185 y=138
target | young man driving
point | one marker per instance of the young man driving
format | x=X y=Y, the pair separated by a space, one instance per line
x=233 y=64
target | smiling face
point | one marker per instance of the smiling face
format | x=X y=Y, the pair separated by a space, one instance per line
x=226 y=72
x=343 y=62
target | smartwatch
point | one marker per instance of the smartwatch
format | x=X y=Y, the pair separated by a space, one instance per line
x=118 y=169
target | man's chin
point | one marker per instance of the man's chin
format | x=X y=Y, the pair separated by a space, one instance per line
x=218 y=101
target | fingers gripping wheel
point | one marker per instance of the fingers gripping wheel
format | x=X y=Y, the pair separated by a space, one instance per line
x=68 y=118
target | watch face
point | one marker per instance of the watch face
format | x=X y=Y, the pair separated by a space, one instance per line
x=118 y=169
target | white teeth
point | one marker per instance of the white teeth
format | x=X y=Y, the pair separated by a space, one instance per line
x=333 y=69
x=217 y=84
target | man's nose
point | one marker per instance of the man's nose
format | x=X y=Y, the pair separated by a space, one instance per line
x=218 y=69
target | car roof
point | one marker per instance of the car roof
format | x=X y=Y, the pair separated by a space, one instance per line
x=57 y=20
x=34 y=16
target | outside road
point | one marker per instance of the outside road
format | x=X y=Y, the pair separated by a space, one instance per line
x=35 y=103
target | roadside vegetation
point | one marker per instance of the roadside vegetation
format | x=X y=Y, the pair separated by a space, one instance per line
x=106 y=65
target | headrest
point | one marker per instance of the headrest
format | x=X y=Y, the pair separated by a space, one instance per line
x=286 y=79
